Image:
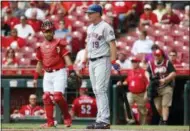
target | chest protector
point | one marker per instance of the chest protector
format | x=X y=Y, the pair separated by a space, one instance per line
x=51 y=53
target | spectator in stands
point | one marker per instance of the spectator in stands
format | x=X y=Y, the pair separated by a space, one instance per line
x=24 y=30
x=55 y=6
x=185 y=20
x=136 y=82
x=149 y=57
x=34 y=22
x=63 y=32
x=14 y=41
x=5 y=28
x=148 y=17
x=9 y=19
x=142 y=45
x=32 y=109
x=173 y=57
x=80 y=57
x=123 y=61
x=17 y=12
x=10 y=59
x=170 y=17
x=179 y=5
x=124 y=12
x=160 y=10
x=44 y=7
x=84 y=106
x=40 y=15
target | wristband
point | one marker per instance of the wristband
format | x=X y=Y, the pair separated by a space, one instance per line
x=36 y=75
x=70 y=67
x=113 y=61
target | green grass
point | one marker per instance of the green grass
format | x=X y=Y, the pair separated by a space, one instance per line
x=115 y=127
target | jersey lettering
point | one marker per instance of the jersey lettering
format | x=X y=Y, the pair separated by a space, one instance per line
x=86 y=109
x=96 y=44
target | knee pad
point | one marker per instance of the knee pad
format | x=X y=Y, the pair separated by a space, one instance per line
x=58 y=96
x=47 y=98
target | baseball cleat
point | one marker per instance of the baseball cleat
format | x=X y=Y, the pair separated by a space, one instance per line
x=47 y=125
x=68 y=122
x=131 y=122
x=91 y=126
x=102 y=125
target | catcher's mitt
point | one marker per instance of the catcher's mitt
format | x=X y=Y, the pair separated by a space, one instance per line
x=74 y=81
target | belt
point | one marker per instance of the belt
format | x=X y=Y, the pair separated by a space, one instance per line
x=94 y=59
x=52 y=70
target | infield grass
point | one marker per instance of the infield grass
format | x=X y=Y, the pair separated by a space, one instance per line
x=113 y=127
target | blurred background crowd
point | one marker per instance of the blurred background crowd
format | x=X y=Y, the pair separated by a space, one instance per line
x=139 y=27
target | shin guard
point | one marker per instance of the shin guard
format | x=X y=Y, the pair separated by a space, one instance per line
x=60 y=100
x=48 y=105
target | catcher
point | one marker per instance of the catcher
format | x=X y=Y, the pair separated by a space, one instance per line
x=53 y=57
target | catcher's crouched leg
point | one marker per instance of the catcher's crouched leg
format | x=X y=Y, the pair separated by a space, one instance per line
x=48 y=105
x=60 y=100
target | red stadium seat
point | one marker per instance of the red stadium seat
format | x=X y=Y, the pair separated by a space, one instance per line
x=177 y=44
x=27 y=49
x=166 y=39
x=176 y=33
x=151 y=38
x=160 y=43
x=31 y=40
x=130 y=40
x=183 y=49
x=149 y=29
x=120 y=44
x=19 y=55
x=77 y=24
x=24 y=62
x=158 y=33
x=166 y=49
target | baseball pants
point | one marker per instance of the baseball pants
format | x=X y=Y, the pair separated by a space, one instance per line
x=100 y=71
x=55 y=81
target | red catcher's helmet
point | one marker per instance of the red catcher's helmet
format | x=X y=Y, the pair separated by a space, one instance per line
x=47 y=25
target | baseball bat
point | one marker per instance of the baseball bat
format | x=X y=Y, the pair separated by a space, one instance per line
x=126 y=103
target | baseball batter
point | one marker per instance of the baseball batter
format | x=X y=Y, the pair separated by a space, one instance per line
x=53 y=57
x=101 y=53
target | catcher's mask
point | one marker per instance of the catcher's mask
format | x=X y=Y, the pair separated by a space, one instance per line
x=47 y=25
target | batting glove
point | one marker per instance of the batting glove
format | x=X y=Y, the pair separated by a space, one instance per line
x=115 y=65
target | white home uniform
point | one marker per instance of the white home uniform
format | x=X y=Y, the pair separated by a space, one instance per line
x=98 y=39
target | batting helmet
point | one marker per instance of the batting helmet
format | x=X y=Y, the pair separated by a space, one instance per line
x=47 y=25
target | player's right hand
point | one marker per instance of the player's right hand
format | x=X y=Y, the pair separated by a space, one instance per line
x=35 y=83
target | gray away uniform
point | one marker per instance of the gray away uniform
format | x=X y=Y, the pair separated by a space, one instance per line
x=98 y=39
